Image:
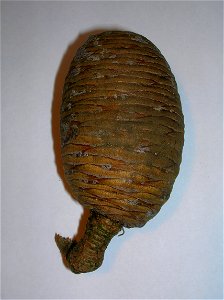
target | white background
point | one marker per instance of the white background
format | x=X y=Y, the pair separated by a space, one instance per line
x=176 y=255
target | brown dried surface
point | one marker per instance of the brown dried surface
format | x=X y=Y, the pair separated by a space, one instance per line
x=87 y=255
x=121 y=127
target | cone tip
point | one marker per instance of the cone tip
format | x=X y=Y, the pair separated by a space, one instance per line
x=62 y=243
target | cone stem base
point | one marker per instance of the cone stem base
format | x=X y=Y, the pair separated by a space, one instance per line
x=87 y=255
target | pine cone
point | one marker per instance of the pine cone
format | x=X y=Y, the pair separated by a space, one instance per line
x=122 y=134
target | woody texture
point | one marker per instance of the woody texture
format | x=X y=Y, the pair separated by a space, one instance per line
x=122 y=134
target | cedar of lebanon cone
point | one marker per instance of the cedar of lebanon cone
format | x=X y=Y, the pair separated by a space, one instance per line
x=122 y=134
